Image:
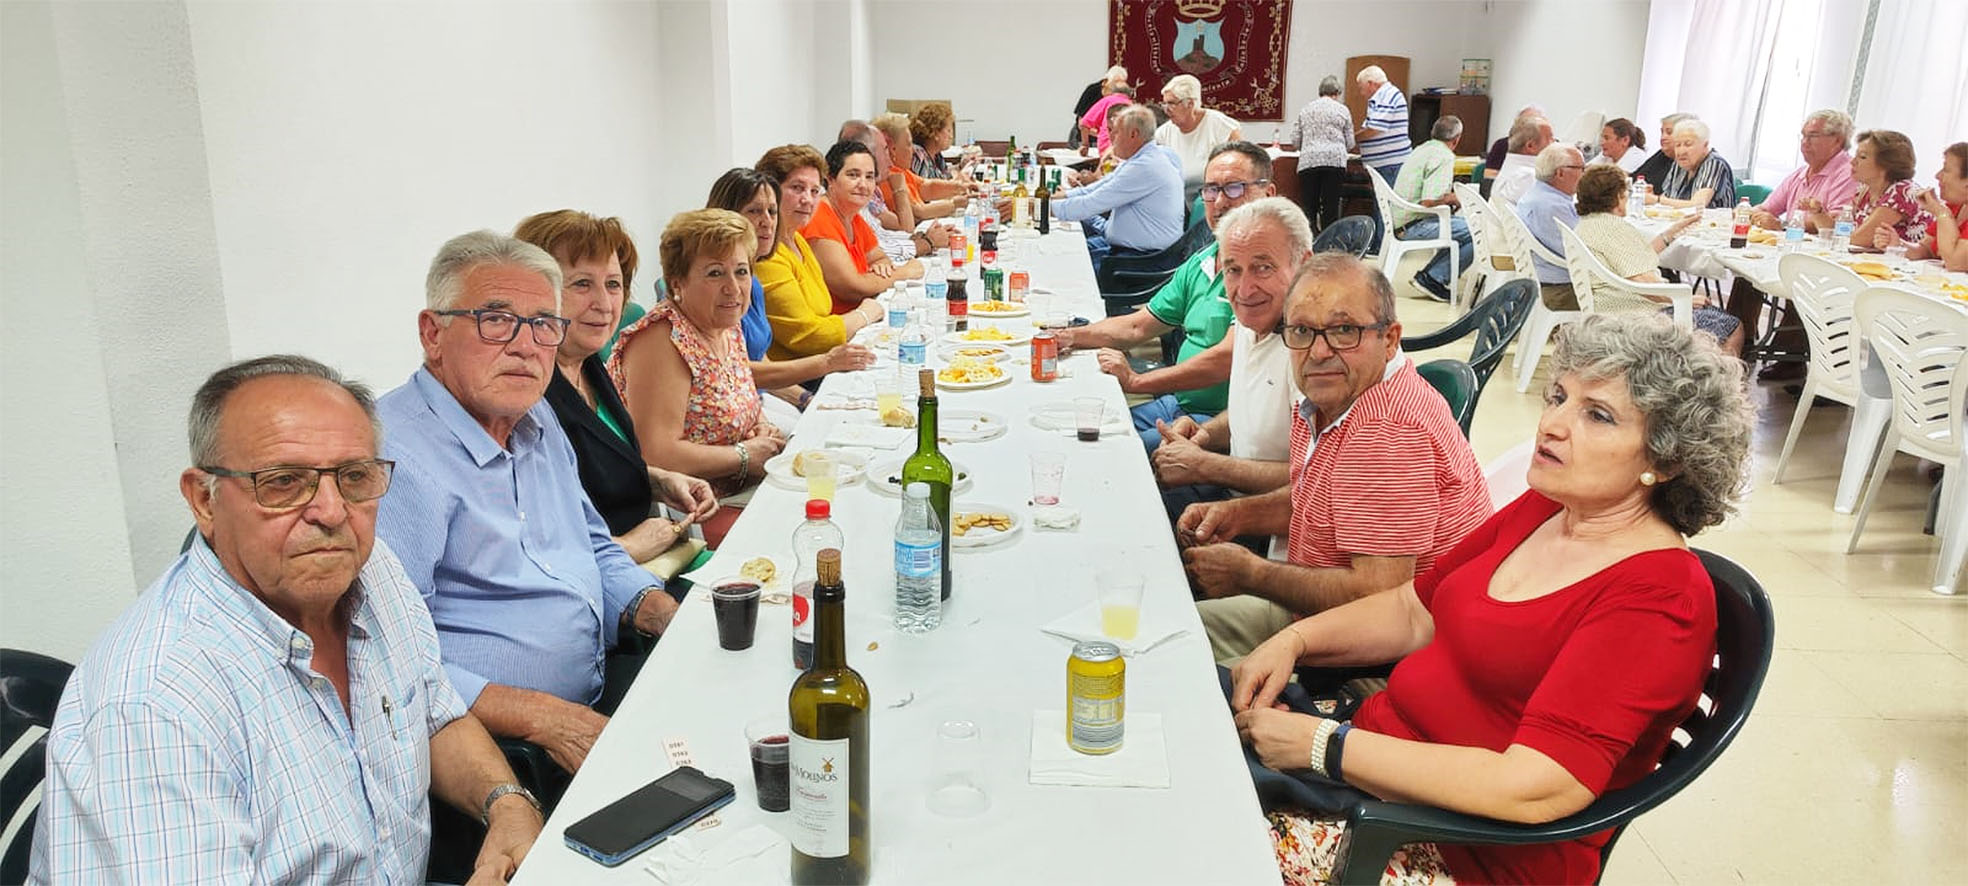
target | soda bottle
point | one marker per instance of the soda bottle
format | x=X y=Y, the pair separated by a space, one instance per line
x=817 y=534
x=1739 y=233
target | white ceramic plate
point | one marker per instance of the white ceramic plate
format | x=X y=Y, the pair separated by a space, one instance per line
x=886 y=477
x=993 y=353
x=1059 y=415
x=983 y=537
x=779 y=469
x=1003 y=376
x=958 y=425
x=1004 y=309
x=1020 y=333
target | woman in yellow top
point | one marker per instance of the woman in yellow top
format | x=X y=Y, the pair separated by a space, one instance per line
x=797 y=300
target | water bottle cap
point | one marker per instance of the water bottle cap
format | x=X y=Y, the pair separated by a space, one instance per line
x=818 y=509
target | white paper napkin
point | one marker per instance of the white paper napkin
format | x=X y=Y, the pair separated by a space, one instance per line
x=744 y=857
x=1142 y=761
x=847 y=433
x=1056 y=518
x=1084 y=624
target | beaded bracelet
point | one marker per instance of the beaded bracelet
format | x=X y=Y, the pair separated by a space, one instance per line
x=1321 y=734
x=744 y=460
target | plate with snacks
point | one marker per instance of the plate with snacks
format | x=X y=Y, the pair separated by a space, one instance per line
x=992 y=353
x=982 y=524
x=987 y=334
x=992 y=308
x=789 y=469
x=886 y=477
x=970 y=375
x=1872 y=270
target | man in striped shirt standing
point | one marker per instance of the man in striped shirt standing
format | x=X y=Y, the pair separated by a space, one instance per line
x=1382 y=480
x=1383 y=135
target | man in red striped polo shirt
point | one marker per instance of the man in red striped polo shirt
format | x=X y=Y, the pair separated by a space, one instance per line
x=1382 y=480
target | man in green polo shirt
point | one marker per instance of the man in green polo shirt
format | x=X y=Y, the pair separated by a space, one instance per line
x=1197 y=384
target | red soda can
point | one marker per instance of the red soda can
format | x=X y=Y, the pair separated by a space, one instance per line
x=1045 y=356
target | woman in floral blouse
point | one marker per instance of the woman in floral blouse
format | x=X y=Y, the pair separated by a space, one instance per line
x=1882 y=164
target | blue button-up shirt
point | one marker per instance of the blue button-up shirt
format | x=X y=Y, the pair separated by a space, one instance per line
x=521 y=576
x=1144 y=195
x=197 y=744
x=1543 y=209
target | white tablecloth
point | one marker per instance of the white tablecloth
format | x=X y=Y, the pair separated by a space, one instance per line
x=988 y=663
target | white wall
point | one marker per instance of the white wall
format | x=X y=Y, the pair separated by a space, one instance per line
x=1570 y=56
x=1024 y=84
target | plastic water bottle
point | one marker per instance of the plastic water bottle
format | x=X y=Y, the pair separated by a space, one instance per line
x=913 y=351
x=1841 y=229
x=1636 y=200
x=1794 y=230
x=918 y=564
x=934 y=310
x=817 y=534
x=898 y=305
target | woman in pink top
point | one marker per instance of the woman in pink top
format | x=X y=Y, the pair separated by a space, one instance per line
x=1094 y=122
x=1882 y=164
x=688 y=386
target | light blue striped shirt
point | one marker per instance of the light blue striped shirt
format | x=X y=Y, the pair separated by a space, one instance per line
x=521 y=576
x=1144 y=195
x=1387 y=112
x=197 y=744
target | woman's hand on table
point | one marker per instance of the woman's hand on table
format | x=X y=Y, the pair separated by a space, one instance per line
x=1683 y=224
x=849 y=357
x=1282 y=739
x=938 y=235
x=1885 y=237
x=1258 y=678
x=1221 y=569
x=883 y=267
x=691 y=495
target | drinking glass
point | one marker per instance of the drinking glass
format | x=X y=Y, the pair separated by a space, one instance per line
x=957 y=789
x=1120 y=602
x=821 y=474
x=769 y=741
x=1048 y=476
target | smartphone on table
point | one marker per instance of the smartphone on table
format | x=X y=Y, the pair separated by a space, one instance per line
x=622 y=829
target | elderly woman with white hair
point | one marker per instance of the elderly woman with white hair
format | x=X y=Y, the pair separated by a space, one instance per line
x=1700 y=178
x=1654 y=169
x=1546 y=659
x=1323 y=134
x=1192 y=130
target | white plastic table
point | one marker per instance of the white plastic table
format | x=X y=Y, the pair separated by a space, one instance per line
x=987 y=663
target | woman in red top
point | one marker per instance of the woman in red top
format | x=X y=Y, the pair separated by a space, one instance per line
x=1549 y=656
x=851 y=259
x=1947 y=231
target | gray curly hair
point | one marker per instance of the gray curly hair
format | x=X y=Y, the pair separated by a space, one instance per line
x=1698 y=417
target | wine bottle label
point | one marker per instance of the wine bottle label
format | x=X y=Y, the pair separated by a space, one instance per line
x=819 y=803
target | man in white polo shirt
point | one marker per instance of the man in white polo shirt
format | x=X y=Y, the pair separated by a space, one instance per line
x=1260 y=247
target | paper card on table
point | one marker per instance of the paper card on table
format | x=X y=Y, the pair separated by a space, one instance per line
x=872 y=436
x=1142 y=761
x=1157 y=626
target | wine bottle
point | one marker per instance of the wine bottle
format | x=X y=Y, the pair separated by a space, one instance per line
x=930 y=465
x=828 y=747
x=1021 y=203
x=1045 y=202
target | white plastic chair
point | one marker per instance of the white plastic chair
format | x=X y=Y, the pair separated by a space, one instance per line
x=1484 y=276
x=1590 y=278
x=1392 y=247
x=1513 y=243
x=1919 y=341
x=1823 y=292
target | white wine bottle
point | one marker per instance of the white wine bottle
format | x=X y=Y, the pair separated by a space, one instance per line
x=828 y=748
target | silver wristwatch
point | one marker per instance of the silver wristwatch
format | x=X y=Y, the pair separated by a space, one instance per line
x=511 y=787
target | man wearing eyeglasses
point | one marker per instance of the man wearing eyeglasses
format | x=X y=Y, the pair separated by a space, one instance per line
x=1382 y=480
x=528 y=591
x=1552 y=201
x=273 y=709
x=1197 y=383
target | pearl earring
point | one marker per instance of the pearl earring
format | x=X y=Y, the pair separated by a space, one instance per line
x=1647 y=478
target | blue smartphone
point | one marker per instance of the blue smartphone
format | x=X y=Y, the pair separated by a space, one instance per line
x=623 y=829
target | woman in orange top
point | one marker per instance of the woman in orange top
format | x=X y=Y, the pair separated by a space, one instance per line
x=797 y=300
x=928 y=198
x=850 y=257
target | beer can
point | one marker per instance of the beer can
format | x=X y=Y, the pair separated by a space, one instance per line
x=1045 y=356
x=1096 y=701
x=994 y=279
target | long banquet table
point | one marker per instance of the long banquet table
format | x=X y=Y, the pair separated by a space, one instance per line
x=988 y=663
x=1705 y=252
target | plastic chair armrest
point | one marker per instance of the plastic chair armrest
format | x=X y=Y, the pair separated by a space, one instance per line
x=1450 y=334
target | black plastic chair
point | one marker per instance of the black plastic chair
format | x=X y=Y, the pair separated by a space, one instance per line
x=1129 y=281
x=1456 y=382
x=1495 y=320
x=1745 y=633
x=30 y=688
x=1353 y=234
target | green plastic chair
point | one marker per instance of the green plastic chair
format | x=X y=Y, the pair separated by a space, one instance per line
x=1495 y=320
x=1195 y=212
x=1456 y=382
x=1745 y=631
x=1756 y=193
x=631 y=312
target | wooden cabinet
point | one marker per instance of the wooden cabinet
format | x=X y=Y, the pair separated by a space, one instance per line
x=1473 y=110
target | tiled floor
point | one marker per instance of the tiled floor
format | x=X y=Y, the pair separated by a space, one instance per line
x=1853 y=767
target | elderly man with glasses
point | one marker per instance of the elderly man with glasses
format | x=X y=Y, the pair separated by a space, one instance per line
x=528 y=591
x=1550 y=202
x=1382 y=480
x=273 y=709
x=1197 y=384
x=1824 y=182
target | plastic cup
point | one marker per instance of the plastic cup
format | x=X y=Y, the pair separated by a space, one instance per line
x=957 y=790
x=769 y=740
x=1048 y=476
x=822 y=473
x=735 y=600
x=1087 y=412
x=1120 y=602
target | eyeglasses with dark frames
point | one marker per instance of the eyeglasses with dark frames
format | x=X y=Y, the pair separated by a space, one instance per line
x=498 y=327
x=1344 y=337
x=1233 y=190
x=286 y=487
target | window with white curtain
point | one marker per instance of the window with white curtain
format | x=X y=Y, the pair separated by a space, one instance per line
x=1752 y=69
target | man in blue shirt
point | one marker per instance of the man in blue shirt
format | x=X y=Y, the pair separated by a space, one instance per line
x=526 y=587
x=1143 y=196
x=1549 y=203
x=272 y=710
